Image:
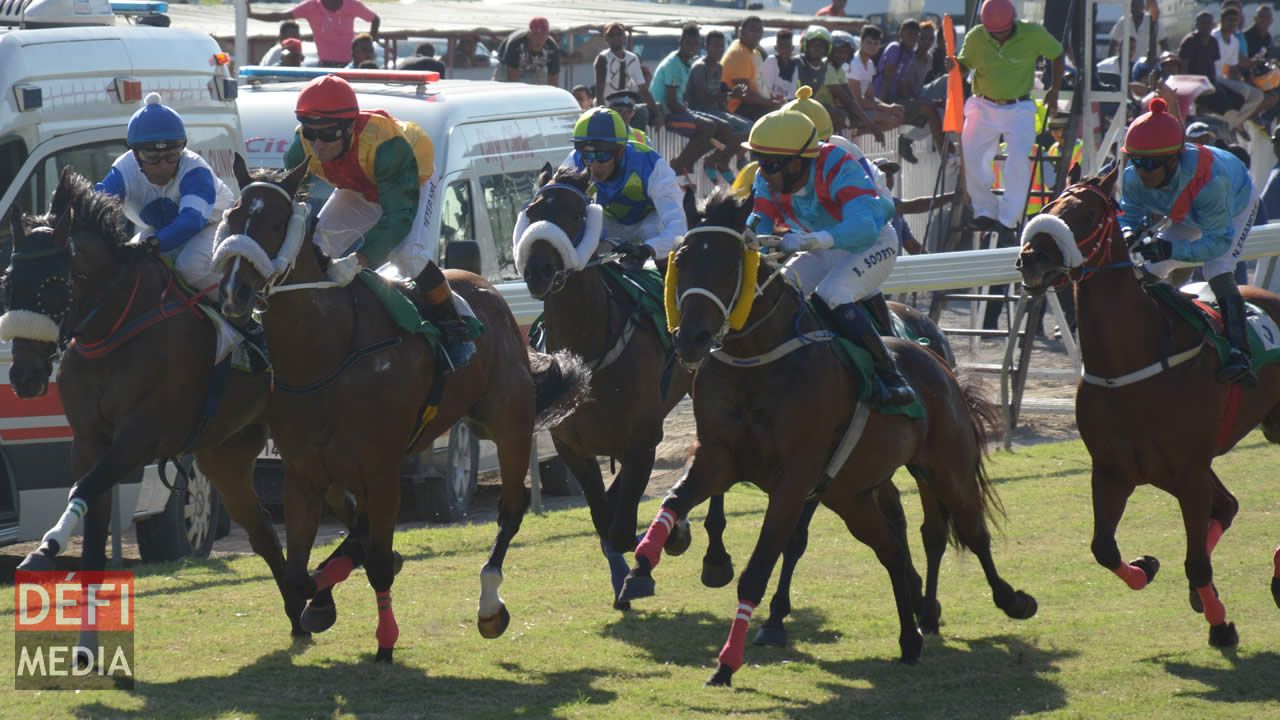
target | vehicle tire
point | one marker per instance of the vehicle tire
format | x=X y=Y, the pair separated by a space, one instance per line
x=557 y=480
x=187 y=526
x=449 y=496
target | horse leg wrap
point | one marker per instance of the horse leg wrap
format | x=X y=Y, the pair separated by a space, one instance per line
x=388 y=631
x=650 y=548
x=334 y=571
x=735 y=646
x=60 y=533
x=1131 y=575
x=1215 y=534
x=1214 y=611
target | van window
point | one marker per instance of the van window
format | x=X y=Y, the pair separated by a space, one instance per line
x=13 y=153
x=92 y=161
x=504 y=196
x=457 y=220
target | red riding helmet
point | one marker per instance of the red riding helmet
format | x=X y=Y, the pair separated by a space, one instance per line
x=1154 y=133
x=327 y=98
x=997 y=15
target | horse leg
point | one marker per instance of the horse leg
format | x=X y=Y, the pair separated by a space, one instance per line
x=781 y=520
x=933 y=534
x=513 y=462
x=1221 y=513
x=773 y=632
x=890 y=501
x=384 y=508
x=587 y=472
x=1109 y=499
x=93 y=558
x=301 y=519
x=717 y=565
x=1195 y=517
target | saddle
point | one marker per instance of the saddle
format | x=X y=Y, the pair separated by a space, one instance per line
x=1195 y=304
x=858 y=361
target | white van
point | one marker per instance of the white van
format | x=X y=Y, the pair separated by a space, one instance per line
x=491 y=139
x=68 y=96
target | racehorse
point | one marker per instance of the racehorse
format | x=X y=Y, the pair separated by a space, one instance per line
x=634 y=384
x=353 y=392
x=135 y=376
x=776 y=423
x=1143 y=367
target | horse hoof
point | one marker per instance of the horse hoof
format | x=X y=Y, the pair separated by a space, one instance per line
x=912 y=645
x=300 y=636
x=722 y=678
x=37 y=562
x=1021 y=606
x=679 y=540
x=493 y=627
x=318 y=618
x=383 y=656
x=623 y=605
x=1223 y=635
x=83 y=659
x=772 y=636
x=636 y=587
x=397 y=562
x=931 y=622
x=1275 y=590
x=1149 y=566
x=717 y=575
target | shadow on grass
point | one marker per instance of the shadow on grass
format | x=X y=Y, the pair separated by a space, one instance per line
x=694 y=639
x=275 y=686
x=1239 y=683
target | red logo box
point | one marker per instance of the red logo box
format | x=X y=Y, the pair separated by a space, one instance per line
x=61 y=600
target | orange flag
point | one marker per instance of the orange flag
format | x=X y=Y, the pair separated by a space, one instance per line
x=953 y=119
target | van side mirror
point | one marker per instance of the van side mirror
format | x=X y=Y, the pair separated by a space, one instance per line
x=462 y=255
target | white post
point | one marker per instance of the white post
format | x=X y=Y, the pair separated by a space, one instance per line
x=242 y=34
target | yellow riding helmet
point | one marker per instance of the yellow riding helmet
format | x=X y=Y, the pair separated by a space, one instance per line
x=784 y=132
x=813 y=110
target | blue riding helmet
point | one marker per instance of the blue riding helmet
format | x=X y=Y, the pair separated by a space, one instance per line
x=156 y=126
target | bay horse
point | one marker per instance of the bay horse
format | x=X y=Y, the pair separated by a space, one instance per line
x=134 y=376
x=1143 y=367
x=775 y=424
x=353 y=392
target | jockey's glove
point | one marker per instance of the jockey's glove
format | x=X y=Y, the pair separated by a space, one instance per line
x=343 y=270
x=635 y=255
x=798 y=241
x=1156 y=251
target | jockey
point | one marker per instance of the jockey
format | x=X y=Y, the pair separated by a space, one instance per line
x=169 y=193
x=1210 y=202
x=821 y=119
x=379 y=168
x=840 y=233
x=643 y=205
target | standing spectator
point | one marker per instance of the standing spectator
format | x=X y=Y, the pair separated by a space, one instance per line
x=744 y=68
x=862 y=74
x=1198 y=54
x=835 y=9
x=291 y=55
x=1258 y=36
x=424 y=59
x=464 y=52
x=1232 y=65
x=362 y=51
x=1146 y=12
x=668 y=87
x=288 y=30
x=582 y=94
x=333 y=25
x=1002 y=52
x=780 y=69
x=618 y=69
x=706 y=94
x=530 y=56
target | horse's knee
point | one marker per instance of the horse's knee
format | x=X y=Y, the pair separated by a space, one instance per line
x=1199 y=571
x=380 y=569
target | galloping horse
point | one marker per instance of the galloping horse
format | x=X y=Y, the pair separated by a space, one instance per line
x=1143 y=367
x=776 y=423
x=353 y=392
x=633 y=383
x=135 y=377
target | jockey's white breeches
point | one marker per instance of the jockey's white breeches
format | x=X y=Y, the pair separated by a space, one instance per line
x=347 y=216
x=840 y=276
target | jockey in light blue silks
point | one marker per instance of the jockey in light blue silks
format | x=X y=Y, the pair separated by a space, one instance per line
x=171 y=195
x=643 y=205
x=843 y=243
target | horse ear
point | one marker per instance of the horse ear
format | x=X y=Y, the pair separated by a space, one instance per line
x=1107 y=183
x=15 y=222
x=691 y=215
x=744 y=207
x=296 y=176
x=61 y=198
x=544 y=175
x=241 y=170
x=1073 y=174
x=62 y=228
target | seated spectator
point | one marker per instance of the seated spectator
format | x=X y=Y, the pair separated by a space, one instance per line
x=744 y=71
x=291 y=52
x=1258 y=36
x=1200 y=133
x=530 y=56
x=779 y=69
x=582 y=94
x=1233 y=65
x=707 y=94
x=423 y=59
x=362 y=52
x=829 y=83
x=862 y=74
x=618 y=69
x=333 y=25
x=667 y=86
x=1199 y=55
x=903 y=83
x=1147 y=13
x=289 y=30
x=894 y=61
x=624 y=103
x=835 y=9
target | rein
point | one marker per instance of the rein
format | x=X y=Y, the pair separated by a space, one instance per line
x=122 y=333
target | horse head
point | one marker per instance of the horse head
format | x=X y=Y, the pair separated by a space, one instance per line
x=61 y=267
x=707 y=282
x=260 y=236
x=1070 y=235
x=558 y=232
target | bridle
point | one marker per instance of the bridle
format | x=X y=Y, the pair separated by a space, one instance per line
x=241 y=246
x=1094 y=247
x=561 y=276
x=749 y=240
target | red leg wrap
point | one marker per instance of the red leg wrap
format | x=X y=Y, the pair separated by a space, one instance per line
x=333 y=572
x=732 y=652
x=1131 y=575
x=388 y=631
x=1214 y=611
x=1215 y=534
x=650 y=547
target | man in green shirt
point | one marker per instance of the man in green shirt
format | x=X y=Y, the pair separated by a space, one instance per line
x=1002 y=53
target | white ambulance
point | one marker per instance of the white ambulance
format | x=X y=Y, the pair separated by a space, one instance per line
x=68 y=94
x=491 y=139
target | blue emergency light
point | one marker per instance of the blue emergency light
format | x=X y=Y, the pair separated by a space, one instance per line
x=139 y=8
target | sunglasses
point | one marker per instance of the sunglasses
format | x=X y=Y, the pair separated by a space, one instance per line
x=155 y=157
x=596 y=156
x=1147 y=163
x=331 y=133
x=771 y=164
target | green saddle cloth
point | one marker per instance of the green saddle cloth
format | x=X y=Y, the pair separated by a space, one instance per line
x=858 y=361
x=1264 y=336
x=405 y=313
x=643 y=289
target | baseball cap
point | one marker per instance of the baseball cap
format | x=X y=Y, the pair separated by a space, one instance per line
x=628 y=98
x=887 y=166
x=539 y=24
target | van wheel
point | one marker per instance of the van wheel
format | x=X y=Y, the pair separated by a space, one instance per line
x=556 y=478
x=188 y=524
x=449 y=497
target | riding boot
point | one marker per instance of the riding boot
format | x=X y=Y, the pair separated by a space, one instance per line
x=437 y=306
x=856 y=324
x=879 y=309
x=1238 y=366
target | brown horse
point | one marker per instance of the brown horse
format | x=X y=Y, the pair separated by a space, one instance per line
x=1125 y=417
x=135 y=378
x=634 y=384
x=353 y=393
x=777 y=423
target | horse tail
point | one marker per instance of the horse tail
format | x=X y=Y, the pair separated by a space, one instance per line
x=987 y=420
x=561 y=381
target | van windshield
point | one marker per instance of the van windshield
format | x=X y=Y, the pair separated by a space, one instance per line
x=504 y=196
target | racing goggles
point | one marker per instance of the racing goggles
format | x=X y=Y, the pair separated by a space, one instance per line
x=771 y=164
x=596 y=155
x=1143 y=162
x=327 y=133
x=168 y=153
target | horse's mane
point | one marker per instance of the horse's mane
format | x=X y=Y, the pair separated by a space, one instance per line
x=96 y=212
x=725 y=209
x=572 y=176
x=276 y=177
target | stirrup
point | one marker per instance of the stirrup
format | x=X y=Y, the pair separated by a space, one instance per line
x=1237 y=369
x=893 y=394
x=458 y=347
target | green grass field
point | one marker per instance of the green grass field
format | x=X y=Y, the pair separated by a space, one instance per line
x=212 y=642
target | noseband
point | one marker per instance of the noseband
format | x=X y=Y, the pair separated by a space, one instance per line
x=242 y=246
x=1095 y=246
x=561 y=276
